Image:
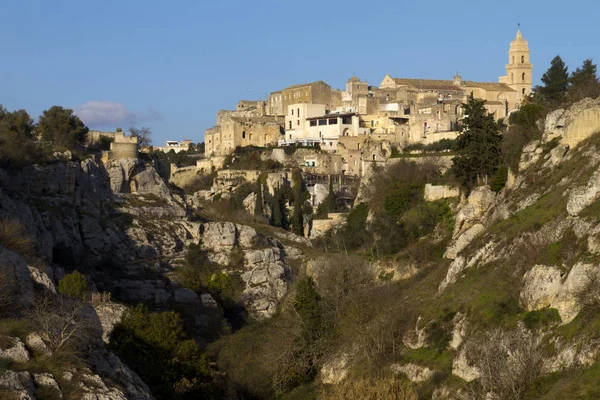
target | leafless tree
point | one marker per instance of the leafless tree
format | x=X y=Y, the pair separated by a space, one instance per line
x=61 y=322
x=508 y=362
x=143 y=134
x=8 y=290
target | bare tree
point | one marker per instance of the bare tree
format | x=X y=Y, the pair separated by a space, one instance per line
x=61 y=322
x=143 y=134
x=508 y=362
x=8 y=291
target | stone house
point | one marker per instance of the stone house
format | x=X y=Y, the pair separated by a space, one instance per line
x=310 y=93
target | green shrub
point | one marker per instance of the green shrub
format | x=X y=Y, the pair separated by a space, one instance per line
x=541 y=318
x=499 y=179
x=74 y=285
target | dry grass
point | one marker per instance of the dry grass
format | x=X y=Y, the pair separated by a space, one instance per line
x=385 y=388
x=14 y=237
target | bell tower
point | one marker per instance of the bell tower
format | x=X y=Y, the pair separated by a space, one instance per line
x=519 y=68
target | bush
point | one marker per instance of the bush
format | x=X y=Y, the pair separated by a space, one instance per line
x=499 y=179
x=156 y=347
x=74 y=285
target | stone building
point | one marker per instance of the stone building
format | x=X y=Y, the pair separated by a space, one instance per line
x=310 y=93
x=519 y=68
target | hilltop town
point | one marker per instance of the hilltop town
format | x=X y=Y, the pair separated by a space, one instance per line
x=359 y=126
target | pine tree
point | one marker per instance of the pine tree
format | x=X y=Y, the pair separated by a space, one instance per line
x=556 y=81
x=478 y=145
x=258 y=206
x=583 y=82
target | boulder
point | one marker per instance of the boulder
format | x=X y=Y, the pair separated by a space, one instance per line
x=48 y=381
x=19 y=384
x=218 y=236
x=109 y=315
x=36 y=343
x=462 y=368
x=13 y=349
x=541 y=286
x=568 y=302
x=583 y=196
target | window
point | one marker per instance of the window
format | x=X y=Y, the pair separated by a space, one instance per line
x=523 y=76
x=322 y=122
x=373 y=157
x=347 y=120
x=290 y=124
x=331 y=144
x=292 y=111
x=332 y=121
x=298 y=123
x=298 y=113
x=523 y=90
x=313 y=122
x=244 y=135
x=357 y=146
x=522 y=59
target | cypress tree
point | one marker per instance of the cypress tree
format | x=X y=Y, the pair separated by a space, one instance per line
x=478 y=146
x=555 y=80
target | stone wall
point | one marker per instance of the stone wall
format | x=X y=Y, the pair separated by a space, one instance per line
x=120 y=150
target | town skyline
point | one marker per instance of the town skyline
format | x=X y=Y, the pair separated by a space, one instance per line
x=116 y=74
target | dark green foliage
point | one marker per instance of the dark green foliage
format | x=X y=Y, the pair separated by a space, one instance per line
x=258 y=206
x=279 y=213
x=17 y=147
x=583 y=82
x=156 y=346
x=74 y=285
x=63 y=128
x=541 y=318
x=308 y=306
x=556 y=81
x=402 y=196
x=523 y=130
x=499 y=179
x=478 y=146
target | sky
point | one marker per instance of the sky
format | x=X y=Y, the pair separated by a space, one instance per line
x=171 y=65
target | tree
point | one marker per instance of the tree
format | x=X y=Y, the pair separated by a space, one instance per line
x=143 y=134
x=308 y=306
x=60 y=126
x=556 y=81
x=279 y=210
x=258 y=207
x=583 y=82
x=478 y=145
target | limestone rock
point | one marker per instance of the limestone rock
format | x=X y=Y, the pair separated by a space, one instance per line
x=147 y=180
x=47 y=380
x=541 y=286
x=37 y=344
x=417 y=338
x=462 y=241
x=13 y=349
x=413 y=372
x=109 y=315
x=113 y=370
x=250 y=203
x=42 y=278
x=219 y=236
x=583 y=196
x=462 y=368
x=120 y=173
x=18 y=383
x=186 y=296
x=208 y=301
x=459 y=331
x=568 y=302
x=18 y=272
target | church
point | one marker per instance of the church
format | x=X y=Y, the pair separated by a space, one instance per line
x=501 y=97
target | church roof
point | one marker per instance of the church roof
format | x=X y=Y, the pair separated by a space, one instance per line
x=432 y=84
x=491 y=86
x=306 y=84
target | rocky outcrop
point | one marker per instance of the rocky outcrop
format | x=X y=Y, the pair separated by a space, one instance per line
x=13 y=349
x=575 y=124
x=19 y=385
x=413 y=372
x=463 y=368
x=336 y=369
x=541 y=286
x=109 y=314
x=583 y=196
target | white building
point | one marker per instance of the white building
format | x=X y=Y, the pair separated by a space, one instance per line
x=310 y=124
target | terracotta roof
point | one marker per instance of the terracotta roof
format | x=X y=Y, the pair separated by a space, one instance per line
x=433 y=84
x=491 y=86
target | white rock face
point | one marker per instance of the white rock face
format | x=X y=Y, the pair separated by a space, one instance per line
x=541 y=286
x=568 y=302
x=415 y=339
x=583 y=196
x=35 y=342
x=439 y=192
x=463 y=369
x=15 y=351
x=462 y=241
x=529 y=156
x=109 y=315
x=459 y=331
x=414 y=372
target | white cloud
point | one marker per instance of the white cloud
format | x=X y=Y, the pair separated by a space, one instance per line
x=109 y=114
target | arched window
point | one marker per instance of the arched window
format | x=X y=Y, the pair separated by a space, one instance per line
x=523 y=76
x=522 y=59
x=523 y=90
x=244 y=135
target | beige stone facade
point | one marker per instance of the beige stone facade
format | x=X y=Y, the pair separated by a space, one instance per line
x=311 y=93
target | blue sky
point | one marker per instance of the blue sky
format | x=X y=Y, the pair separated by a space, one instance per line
x=171 y=65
